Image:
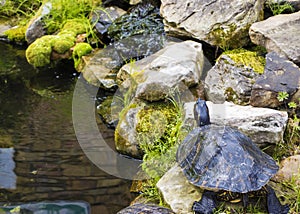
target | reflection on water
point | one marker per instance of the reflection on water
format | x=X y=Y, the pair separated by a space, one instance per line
x=35 y=117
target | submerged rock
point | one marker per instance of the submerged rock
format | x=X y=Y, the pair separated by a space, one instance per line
x=221 y=23
x=176 y=67
x=145 y=209
x=279 y=34
x=281 y=75
x=7 y=165
x=178 y=193
x=233 y=76
x=264 y=126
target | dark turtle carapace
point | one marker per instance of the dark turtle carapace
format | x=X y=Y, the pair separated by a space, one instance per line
x=221 y=158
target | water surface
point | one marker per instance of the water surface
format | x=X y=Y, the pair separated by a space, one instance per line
x=36 y=120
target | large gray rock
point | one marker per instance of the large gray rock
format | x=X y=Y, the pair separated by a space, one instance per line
x=222 y=23
x=102 y=67
x=177 y=66
x=264 y=126
x=178 y=193
x=279 y=34
x=230 y=80
x=37 y=28
x=281 y=75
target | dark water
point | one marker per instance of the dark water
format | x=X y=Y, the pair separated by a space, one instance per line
x=36 y=120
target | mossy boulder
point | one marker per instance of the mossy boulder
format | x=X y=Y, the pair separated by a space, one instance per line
x=145 y=127
x=233 y=76
x=40 y=51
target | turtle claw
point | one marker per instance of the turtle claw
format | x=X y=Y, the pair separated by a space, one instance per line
x=274 y=205
x=207 y=203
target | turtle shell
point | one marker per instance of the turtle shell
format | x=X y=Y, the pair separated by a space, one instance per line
x=145 y=209
x=222 y=158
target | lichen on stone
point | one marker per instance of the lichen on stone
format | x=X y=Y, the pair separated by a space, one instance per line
x=247 y=58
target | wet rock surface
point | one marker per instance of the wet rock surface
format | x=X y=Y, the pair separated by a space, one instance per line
x=142 y=19
x=279 y=34
x=105 y=17
x=178 y=193
x=221 y=23
x=176 y=67
x=7 y=165
x=281 y=75
x=264 y=126
x=229 y=80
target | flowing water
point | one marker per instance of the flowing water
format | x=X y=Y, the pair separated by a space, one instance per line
x=36 y=120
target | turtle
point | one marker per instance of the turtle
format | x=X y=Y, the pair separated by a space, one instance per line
x=145 y=209
x=223 y=159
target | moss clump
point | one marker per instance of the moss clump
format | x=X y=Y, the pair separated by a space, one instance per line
x=63 y=43
x=16 y=34
x=247 y=58
x=75 y=26
x=80 y=50
x=38 y=53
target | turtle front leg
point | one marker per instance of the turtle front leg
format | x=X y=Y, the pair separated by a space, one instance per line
x=207 y=203
x=274 y=205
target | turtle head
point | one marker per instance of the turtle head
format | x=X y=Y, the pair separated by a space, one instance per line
x=201 y=113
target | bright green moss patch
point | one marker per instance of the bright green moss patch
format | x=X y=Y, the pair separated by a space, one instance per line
x=63 y=43
x=38 y=53
x=16 y=34
x=77 y=26
x=80 y=50
x=247 y=58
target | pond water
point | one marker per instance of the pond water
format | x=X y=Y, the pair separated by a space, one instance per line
x=36 y=120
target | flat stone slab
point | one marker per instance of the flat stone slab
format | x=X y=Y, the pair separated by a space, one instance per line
x=279 y=34
x=62 y=207
x=8 y=178
x=263 y=125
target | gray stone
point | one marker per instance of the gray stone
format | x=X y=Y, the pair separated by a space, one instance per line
x=221 y=23
x=178 y=193
x=289 y=169
x=102 y=67
x=176 y=67
x=229 y=81
x=264 y=126
x=279 y=34
x=36 y=27
x=281 y=75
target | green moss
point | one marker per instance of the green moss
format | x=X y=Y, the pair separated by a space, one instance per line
x=247 y=58
x=228 y=37
x=80 y=50
x=63 y=43
x=16 y=34
x=75 y=26
x=38 y=53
